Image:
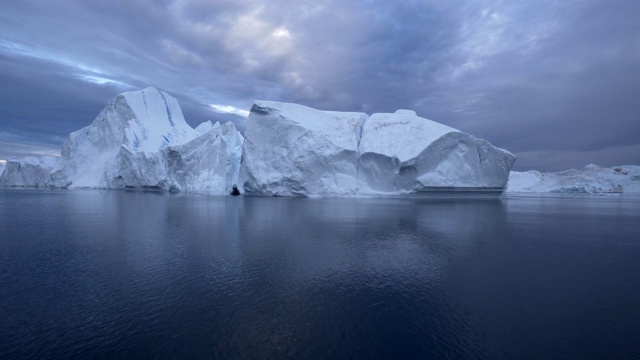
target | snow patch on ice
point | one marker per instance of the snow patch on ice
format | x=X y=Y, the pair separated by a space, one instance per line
x=402 y=134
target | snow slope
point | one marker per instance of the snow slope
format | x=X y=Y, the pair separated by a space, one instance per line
x=591 y=179
x=292 y=149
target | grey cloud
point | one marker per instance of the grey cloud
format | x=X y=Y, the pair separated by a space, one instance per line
x=550 y=77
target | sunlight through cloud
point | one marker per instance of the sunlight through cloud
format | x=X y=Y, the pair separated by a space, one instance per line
x=228 y=109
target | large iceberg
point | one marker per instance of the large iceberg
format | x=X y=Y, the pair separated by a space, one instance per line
x=296 y=150
x=139 y=140
x=592 y=179
x=122 y=146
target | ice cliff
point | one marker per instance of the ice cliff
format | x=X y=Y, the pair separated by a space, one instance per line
x=296 y=150
x=139 y=140
x=404 y=153
x=292 y=149
x=592 y=179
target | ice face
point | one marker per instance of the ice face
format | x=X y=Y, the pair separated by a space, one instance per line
x=156 y=121
x=205 y=126
x=210 y=163
x=293 y=150
x=402 y=153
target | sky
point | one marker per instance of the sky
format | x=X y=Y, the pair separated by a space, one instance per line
x=556 y=82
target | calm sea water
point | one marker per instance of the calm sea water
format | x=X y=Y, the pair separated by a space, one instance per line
x=114 y=274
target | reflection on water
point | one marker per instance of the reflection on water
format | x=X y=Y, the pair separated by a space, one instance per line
x=130 y=274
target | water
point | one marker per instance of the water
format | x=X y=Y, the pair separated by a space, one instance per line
x=91 y=274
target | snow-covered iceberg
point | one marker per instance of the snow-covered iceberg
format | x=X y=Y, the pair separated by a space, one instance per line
x=122 y=147
x=296 y=150
x=592 y=179
x=209 y=163
x=28 y=172
x=139 y=140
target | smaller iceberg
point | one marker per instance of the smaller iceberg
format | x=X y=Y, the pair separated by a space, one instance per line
x=592 y=179
x=29 y=171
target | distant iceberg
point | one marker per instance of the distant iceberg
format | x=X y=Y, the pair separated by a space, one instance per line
x=30 y=171
x=592 y=179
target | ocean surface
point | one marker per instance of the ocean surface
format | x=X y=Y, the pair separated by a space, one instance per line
x=116 y=274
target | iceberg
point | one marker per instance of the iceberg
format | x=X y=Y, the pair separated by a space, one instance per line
x=209 y=163
x=122 y=145
x=592 y=179
x=294 y=150
x=28 y=172
x=139 y=140
x=402 y=153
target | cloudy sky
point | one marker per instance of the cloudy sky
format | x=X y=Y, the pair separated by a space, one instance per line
x=557 y=82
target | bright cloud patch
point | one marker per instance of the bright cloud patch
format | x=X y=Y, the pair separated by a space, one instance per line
x=102 y=80
x=228 y=109
x=282 y=33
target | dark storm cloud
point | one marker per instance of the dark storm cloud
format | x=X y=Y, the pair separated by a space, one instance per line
x=555 y=82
